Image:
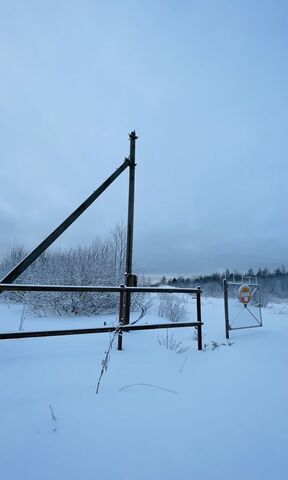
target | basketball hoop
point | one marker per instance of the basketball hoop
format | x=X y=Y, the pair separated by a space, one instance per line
x=245 y=294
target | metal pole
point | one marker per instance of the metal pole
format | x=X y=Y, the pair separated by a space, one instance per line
x=87 y=331
x=226 y=310
x=20 y=287
x=26 y=262
x=199 y=328
x=121 y=309
x=130 y=224
x=260 y=306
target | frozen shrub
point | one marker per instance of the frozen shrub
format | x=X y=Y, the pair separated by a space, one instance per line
x=172 y=306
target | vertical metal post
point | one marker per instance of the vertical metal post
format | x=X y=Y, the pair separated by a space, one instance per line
x=199 y=328
x=121 y=311
x=260 y=306
x=226 y=310
x=130 y=223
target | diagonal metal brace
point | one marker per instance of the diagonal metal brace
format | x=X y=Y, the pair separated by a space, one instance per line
x=26 y=262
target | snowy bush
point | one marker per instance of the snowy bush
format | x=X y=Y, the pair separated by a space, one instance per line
x=172 y=306
x=102 y=263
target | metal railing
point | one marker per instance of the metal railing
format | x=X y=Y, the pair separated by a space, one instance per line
x=125 y=292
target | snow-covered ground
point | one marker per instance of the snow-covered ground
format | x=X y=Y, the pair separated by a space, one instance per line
x=217 y=414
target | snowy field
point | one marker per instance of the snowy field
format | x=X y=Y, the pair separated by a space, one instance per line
x=217 y=414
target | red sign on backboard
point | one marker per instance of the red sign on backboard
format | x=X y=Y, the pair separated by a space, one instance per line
x=245 y=294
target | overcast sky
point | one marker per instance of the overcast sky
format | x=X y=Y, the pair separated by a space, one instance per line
x=205 y=85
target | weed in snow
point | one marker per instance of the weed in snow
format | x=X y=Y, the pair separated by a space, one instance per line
x=24 y=314
x=183 y=365
x=53 y=418
x=147 y=385
x=106 y=359
x=215 y=345
x=170 y=343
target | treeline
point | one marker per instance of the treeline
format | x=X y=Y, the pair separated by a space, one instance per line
x=273 y=284
x=101 y=263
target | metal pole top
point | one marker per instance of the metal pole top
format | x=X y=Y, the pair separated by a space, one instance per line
x=133 y=135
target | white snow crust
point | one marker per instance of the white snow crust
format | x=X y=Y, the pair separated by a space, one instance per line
x=217 y=414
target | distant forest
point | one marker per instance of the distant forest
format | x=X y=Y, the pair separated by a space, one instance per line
x=103 y=263
x=273 y=284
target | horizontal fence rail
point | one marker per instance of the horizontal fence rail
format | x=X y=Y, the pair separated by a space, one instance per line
x=82 y=331
x=89 y=288
x=121 y=327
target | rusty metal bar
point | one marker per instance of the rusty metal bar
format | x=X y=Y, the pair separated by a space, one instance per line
x=92 y=289
x=82 y=331
x=26 y=262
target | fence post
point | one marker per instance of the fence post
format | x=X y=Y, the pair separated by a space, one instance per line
x=121 y=312
x=199 y=328
x=226 y=311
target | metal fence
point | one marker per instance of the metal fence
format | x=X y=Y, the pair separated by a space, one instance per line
x=130 y=279
x=124 y=297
